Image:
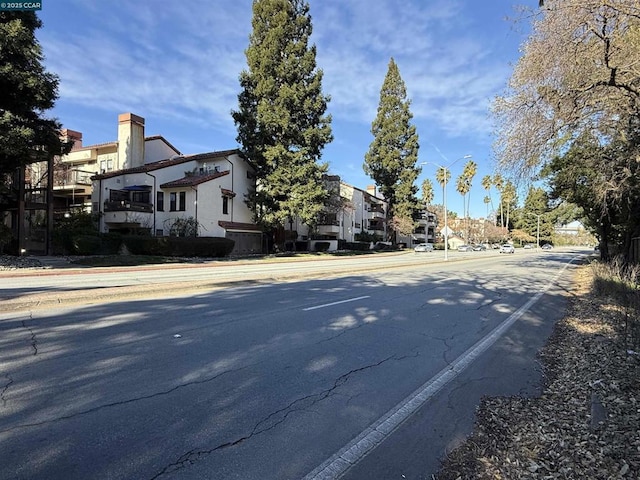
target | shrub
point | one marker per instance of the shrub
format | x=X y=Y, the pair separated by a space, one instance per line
x=86 y=245
x=621 y=282
x=142 y=245
x=357 y=246
x=216 y=247
x=6 y=235
x=322 y=246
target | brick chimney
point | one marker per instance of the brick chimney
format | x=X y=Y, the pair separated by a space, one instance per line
x=371 y=190
x=71 y=135
x=130 y=140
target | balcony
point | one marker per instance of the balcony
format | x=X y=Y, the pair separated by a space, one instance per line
x=376 y=226
x=328 y=229
x=376 y=208
x=328 y=224
x=127 y=206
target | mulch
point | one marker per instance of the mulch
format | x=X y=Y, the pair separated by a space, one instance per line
x=586 y=423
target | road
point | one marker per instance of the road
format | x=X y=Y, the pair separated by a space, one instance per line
x=368 y=374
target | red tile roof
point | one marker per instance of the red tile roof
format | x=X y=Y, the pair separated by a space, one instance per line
x=193 y=180
x=239 y=226
x=175 y=160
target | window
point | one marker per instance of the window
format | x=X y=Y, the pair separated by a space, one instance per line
x=177 y=201
x=160 y=201
x=141 y=197
x=225 y=205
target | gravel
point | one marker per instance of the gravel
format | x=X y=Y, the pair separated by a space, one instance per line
x=12 y=262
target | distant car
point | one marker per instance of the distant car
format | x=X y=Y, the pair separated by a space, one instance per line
x=465 y=248
x=596 y=249
x=507 y=248
x=423 y=247
x=546 y=246
x=479 y=248
x=529 y=246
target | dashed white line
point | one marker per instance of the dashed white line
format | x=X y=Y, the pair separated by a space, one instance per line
x=334 y=303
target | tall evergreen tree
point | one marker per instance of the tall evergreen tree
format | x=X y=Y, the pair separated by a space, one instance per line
x=392 y=156
x=281 y=121
x=534 y=214
x=27 y=91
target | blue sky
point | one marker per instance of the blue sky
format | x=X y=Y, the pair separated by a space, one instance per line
x=177 y=64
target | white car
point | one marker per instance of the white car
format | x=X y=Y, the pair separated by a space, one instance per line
x=423 y=247
x=507 y=248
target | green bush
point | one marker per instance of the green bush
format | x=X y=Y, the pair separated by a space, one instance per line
x=357 y=246
x=367 y=237
x=106 y=244
x=322 y=246
x=141 y=245
x=200 y=246
x=86 y=245
x=66 y=230
x=110 y=243
x=6 y=235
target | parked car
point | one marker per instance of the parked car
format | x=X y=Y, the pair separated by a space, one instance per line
x=507 y=248
x=465 y=248
x=529 y=246
x=423 y=247
x=547 y=246
x=479 y=248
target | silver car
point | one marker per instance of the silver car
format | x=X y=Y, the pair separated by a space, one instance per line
x=423 y=247
x=507 y=248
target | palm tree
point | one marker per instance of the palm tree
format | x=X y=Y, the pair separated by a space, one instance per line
x=443 y=175
x=427 y=192
x=487 y=183
x=487 y=200
x=498 y=181
x=470 y=170
x=463 y=186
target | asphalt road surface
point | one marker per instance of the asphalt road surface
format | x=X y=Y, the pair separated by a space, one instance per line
x=369 y=374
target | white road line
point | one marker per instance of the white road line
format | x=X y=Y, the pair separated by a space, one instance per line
x=334 y=303
x=376 y=433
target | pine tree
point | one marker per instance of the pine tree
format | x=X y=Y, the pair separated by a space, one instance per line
x=393 y=153
x=27 y=90
x=281 y=121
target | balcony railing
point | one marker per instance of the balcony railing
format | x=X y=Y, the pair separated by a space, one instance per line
x=126 y=205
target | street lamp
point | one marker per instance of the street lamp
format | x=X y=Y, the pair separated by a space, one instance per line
x=444 y=200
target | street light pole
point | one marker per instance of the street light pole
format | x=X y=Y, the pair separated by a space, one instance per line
x=446 y=170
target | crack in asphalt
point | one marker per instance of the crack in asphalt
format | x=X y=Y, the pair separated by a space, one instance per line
x=339 y=334
x=5 y=388
x=123 y=402
x=34 y=340
x=487 y=303
x=272 y=420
